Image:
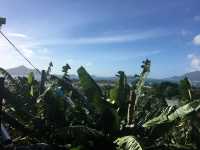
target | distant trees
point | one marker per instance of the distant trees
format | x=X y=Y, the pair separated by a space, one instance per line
x=166 y=89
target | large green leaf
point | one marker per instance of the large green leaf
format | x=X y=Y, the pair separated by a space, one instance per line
x=128 y=143
x=18 y=103
x=77 y=131
x=120 y=93
x=185 y=91
x=94 y=94
x=51 y=106
x=91 y=89
x=16 y=123
x=149 y=107
x=168 y=115
x=30 y=82
x=75 y=93
x=11 y=81
x=41 y=97
x=30 y=78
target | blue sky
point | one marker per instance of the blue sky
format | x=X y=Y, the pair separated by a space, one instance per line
x=104 y=35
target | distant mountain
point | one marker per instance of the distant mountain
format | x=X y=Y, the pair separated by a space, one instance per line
x=21 y=71
x=24 y=71
x=193 y=76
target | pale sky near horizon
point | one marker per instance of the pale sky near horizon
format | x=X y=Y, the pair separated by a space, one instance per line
x=105 y=36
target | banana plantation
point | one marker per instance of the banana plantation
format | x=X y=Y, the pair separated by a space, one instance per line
x=55 y=114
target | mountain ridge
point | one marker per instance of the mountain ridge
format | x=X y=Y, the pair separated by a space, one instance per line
x=194 y=76
x=24 y=71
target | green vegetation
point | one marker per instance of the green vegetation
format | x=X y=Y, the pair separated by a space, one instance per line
x=55 y=114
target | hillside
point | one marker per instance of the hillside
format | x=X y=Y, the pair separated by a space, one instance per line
x=23 y=71
x=193 y=76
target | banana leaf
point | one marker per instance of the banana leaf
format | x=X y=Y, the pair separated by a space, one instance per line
x=169 y=116
x=7 y=76
x=91 y=89
x=120 y=93
x=128 y=143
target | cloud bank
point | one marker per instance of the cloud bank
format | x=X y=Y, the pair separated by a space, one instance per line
x=194 y=62
x=196 y=39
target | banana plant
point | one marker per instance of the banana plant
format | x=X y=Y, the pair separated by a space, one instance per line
x=185 y=90
x=82 y=118
x=120 y=94
x=140 y=83
x=108 y=120
x=136 y=93
x=169 y=115
x=91 y=89
x=7 y=76
x=30 y=82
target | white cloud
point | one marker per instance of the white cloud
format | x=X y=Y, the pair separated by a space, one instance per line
x=27 y=52
x=196 y=18
x=3 y=44
x=88 y=64
x=194 y=61
x=189 y=56
x=103 y=39
x=139 y=54
x=43 y=51
x=9 y=58
x=112 y=39
x=18 y=35
x=40 y=56
x=196 y=39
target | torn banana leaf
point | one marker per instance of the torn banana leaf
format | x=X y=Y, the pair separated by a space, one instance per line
x=168 y=116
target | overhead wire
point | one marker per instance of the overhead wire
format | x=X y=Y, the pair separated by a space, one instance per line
x=19 y=52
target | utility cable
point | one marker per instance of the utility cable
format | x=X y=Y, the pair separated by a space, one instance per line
x=19 y=52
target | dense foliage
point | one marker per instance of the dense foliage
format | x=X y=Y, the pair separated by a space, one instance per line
x=55 y=114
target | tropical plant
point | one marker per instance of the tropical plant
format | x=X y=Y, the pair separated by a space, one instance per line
x=126 y=117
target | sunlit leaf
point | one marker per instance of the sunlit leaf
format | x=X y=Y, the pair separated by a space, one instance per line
x=128 y=143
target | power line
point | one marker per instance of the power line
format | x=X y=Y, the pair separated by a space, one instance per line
x=19 y=52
